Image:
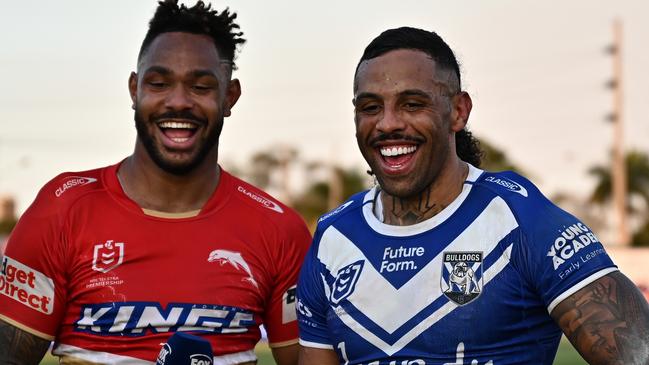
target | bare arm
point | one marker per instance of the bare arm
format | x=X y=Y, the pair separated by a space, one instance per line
x=310 y=355
x=18 y=347
x=607 y=321
x=285 y=355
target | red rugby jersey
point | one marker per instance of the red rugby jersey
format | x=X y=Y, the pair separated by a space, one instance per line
x=87 y=268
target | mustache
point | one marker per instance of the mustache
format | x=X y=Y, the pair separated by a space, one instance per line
x=395 y=136
x=184 y=114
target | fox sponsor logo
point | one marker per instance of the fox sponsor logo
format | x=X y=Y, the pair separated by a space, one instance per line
x=508 y=184
x=107 y=256
x=27 y=286
x=71 y=182
x=288 y=305
x=335 y=211
x=140 y=318
x=260 y=199
x=571 y=240
x=345 y=282
x=462 y=276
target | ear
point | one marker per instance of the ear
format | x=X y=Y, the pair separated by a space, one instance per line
x=132 y=88
x=232 y=94
x=462 y=106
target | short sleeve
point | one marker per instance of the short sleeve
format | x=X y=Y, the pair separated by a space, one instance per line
x=280 y=318
x=312 y=302
x=560 y=253
x=32 y=278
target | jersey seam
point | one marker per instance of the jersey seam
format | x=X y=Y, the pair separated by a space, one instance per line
x=519 y=221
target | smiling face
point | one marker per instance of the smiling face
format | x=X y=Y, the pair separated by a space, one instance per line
x=406 y=114
x=180 y=95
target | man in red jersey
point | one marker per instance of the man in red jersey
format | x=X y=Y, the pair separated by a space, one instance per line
x=109 y=263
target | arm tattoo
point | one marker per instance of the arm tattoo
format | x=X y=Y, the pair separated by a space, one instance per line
x=607 y=321
x=18 y=347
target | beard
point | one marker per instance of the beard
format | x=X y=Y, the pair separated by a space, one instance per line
x=178 y=168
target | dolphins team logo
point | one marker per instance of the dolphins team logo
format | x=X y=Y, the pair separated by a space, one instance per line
x=345 y=282
x=462 y=276
x=236 y=260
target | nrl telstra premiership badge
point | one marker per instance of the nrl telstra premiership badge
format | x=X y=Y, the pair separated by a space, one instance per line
x=346 y=281
x=462 y=276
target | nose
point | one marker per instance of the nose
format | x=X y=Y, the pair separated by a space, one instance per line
x=390 y=121
x=179 y=98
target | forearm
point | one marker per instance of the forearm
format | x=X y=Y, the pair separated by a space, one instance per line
x=18 y=347
x=286 y=355
x=309 y=356
x=607 y=321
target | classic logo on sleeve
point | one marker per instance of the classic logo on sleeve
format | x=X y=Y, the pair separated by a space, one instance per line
x=27 y=286
x=335 y=211
x=261 y=200
x=72 y=182
x=346 y=281
x=508 y=184
x=462 y=276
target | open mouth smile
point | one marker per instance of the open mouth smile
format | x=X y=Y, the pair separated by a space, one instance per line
x=178 y=134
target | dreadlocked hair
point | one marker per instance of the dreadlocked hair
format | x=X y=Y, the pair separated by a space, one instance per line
x=198 y=19
x=467 y=146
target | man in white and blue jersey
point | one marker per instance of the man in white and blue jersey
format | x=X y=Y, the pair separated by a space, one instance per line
x=444 y=263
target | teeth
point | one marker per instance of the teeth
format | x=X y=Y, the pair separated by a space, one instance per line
x=177 y=125
x=179 y=140
x=396 y=151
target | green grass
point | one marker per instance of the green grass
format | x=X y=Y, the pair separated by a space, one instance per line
x=566 y=355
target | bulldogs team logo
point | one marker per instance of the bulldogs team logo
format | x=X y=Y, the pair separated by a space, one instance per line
x=462 y=276
x=107 y=256
x=346 y=281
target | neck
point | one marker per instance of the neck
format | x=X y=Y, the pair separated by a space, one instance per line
x=404 y=211
x=155 y=189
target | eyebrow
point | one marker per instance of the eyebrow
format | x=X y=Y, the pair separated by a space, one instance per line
x=165 y=71
x=416 y=92
x=201 y=73
x=158 y=69
x=409 y=92
x=366 y=95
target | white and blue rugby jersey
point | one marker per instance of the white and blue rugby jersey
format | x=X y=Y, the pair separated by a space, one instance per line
x=472 y=285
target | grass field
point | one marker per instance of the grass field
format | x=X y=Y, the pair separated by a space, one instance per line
x=565 y=356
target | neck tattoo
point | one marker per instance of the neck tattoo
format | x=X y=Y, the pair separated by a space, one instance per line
x=402 y=212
